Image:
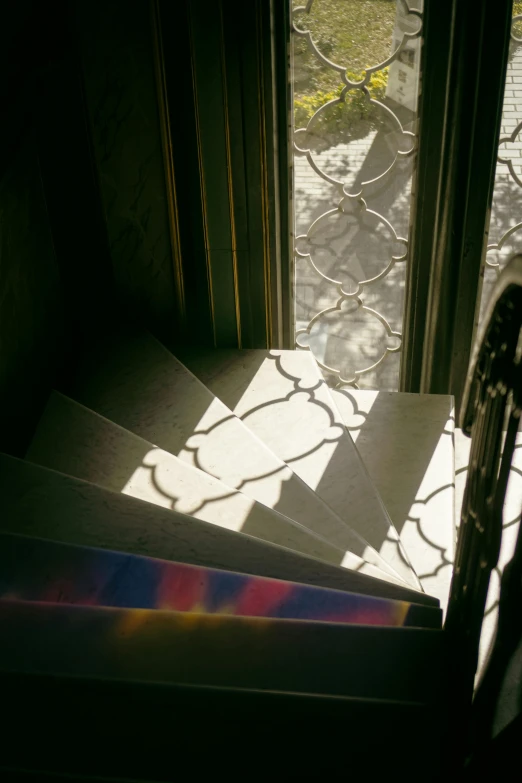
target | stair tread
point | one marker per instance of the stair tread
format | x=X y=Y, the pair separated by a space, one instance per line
x=268 y=654
x=142 y=730
x=282 y=398
x=41 y=502
x=34 y=569
x=137 y=383
x=407 y=444
x=73 y=439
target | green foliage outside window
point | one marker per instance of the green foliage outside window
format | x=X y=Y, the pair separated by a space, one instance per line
x=357 y=33
x=356 y=109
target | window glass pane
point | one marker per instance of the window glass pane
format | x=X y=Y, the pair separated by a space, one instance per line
x=355 y=66
x=505 y=229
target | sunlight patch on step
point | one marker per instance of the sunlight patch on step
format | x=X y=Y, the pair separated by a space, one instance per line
x=284 y=401
x=364 y=565
x=300 y=434
x=406 y=443
x=428 y=533
x=159 y=481
x=291 y=414
x=355 y=412
x=218 y=446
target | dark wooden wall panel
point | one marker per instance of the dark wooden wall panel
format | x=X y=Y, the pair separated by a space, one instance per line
x=31 y=302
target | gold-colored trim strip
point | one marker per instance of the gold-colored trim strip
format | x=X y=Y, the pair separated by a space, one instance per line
x=201 y=178
x=230 y=182
x=170 y=180
x=264 y=177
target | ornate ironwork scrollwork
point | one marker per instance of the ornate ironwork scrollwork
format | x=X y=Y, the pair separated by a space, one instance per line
x=493 y=249
x=350 y=248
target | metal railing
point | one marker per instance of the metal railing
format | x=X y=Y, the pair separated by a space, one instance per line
x=490 y=414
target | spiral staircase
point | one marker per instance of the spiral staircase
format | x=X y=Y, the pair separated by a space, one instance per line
x=211 y=563
x=182 y=595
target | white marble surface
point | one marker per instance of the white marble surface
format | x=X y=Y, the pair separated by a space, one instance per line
x=75 y=440
x=136 y=383
x=37 y=501
x=406 y=443
x=282 y=398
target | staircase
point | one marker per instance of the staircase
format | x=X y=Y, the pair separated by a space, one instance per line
x=198 y=572
x=212 y=565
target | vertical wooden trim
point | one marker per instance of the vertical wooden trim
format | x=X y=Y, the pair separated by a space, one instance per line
x=204 y=214
x=434 y=94
x=278 y=104
x=277 y=259
x=170 y=181
x=286 y=163
x=464 y=59
x=264 y=174
x=233 y=238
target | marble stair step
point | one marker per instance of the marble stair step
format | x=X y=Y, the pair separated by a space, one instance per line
x=134 y=381
x=35 y=569
x=297 y=656
x=40 y=502
x=145 y=731
x=407 y=444
x=283 y=399
x=72 y=439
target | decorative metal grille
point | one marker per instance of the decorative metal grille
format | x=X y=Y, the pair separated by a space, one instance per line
x=354 y=145
x=505 y=229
